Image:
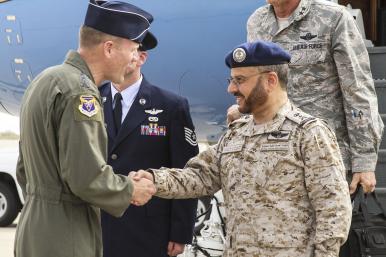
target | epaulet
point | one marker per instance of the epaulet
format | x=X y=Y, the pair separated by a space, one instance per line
x=240 y=121
x=301 y=118
x=85 y=82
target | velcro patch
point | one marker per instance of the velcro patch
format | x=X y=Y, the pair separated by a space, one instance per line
x=87 y=107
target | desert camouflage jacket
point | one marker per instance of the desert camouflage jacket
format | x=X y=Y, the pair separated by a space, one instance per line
x=284 y=186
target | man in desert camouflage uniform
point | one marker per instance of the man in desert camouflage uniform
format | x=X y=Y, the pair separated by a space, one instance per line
x=280 y=169
x=329 y=76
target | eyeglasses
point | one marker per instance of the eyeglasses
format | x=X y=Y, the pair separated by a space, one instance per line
x=238 y=80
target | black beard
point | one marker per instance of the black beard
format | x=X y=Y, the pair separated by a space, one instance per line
x=257 y=97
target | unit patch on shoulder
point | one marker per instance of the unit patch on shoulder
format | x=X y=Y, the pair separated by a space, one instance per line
x=87 y=108
x=190 y=136
x=88 y=105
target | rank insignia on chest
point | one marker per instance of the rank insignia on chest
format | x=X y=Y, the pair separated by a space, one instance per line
x=281 y=135
x=153 y=130
x=88 y=105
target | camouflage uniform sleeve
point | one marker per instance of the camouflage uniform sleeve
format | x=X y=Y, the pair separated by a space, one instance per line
x=364 y=124
x=200 y=177
x=327 y=188
x=82 y=154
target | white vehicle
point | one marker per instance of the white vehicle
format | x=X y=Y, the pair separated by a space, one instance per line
x=11 y=198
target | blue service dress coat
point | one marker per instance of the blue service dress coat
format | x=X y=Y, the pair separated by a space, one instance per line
x=157 y=132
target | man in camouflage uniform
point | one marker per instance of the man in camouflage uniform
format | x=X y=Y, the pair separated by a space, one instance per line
x=62 y=166
x=280 y=169
x=330 y=75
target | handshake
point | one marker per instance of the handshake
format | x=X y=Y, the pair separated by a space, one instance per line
x=144 y=189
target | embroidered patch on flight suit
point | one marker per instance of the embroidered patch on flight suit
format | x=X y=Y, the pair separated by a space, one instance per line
x=87 y=107
x=153 y=130
x=190 y=136
x=85 y=82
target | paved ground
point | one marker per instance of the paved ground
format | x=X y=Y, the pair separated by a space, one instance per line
x=8 y=155
x=7 y=236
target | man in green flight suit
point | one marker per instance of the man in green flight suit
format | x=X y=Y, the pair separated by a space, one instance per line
x=63 y=145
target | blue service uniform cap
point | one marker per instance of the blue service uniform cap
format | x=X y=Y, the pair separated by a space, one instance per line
x=258 y=53
x=119 y=19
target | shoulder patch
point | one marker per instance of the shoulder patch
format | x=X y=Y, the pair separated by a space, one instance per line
x=87 y=107
x=85 y=82
x=299 y=117
x=308 y=121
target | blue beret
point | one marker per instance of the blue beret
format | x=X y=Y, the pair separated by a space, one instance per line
x=119 y=19
x=258 y=53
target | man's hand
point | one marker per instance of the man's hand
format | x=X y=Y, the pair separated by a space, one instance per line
x=144 y=189
x=233 y=113
x=365 y=179
x=136 y=175
x=175 y=249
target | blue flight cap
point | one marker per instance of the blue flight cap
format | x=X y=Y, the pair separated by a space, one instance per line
x=258 y=53
x=148 y=42
x=119 y=19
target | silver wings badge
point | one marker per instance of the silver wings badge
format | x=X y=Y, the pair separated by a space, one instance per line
x=153 y=111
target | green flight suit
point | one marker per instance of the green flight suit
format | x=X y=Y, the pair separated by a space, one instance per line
x=62 y=165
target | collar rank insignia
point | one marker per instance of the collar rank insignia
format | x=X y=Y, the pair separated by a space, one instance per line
x=308 y=36
x=153 y=111
x=281 y=135
x=88 y=105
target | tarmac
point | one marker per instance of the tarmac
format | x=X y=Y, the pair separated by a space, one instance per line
x=7 y=237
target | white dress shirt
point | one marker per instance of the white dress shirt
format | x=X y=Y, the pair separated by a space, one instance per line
x=128 y=96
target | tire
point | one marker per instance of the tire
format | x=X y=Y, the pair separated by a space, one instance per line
x=203 y=206
x=9 y=204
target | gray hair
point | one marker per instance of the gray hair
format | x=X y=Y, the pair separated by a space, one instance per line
x=281 y=70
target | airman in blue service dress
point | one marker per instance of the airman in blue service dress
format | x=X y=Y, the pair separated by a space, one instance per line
x=156 y=132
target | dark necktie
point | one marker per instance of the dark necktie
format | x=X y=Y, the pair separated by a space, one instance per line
x=117 y=111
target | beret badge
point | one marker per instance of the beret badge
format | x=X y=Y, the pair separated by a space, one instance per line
x=239 y=55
